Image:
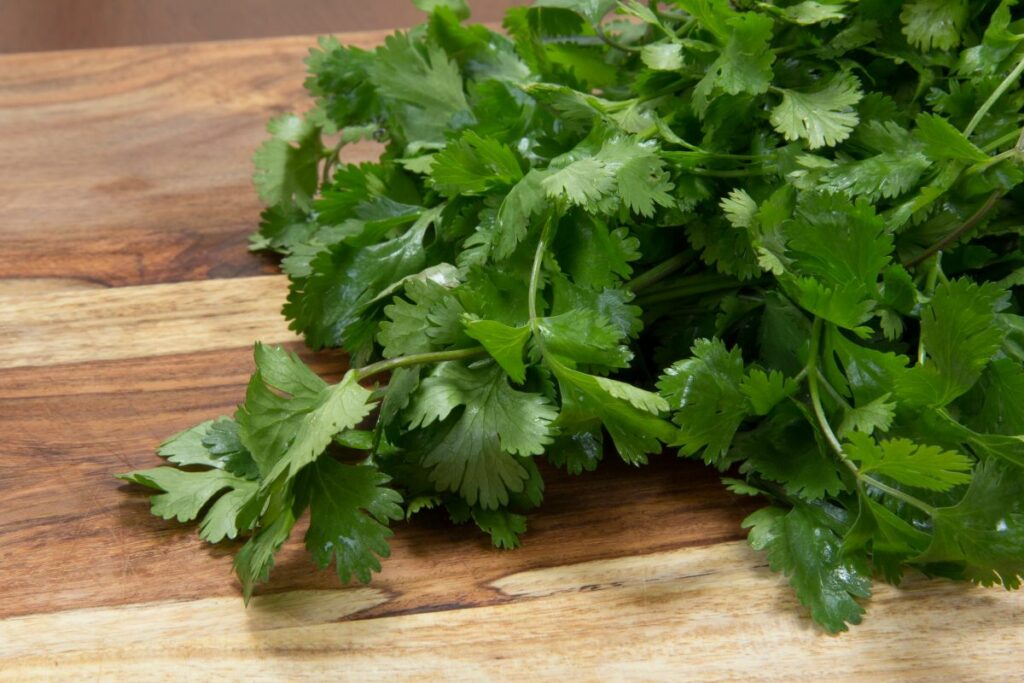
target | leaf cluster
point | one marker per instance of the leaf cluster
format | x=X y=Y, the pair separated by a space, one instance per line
x=783 y=237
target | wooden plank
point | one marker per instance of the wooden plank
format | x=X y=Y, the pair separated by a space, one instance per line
x=695 y=614
x=73 y=536
x=77 y=326
x=30 y=25
x=132 y=166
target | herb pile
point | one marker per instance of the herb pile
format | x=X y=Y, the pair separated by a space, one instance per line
x=782 y=237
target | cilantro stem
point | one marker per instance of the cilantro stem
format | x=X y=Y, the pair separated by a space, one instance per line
x=660 y=271
x=611 y=42
x=1010 y=79
x=959 y=231
x=538 y=260
x=929 y=289
x=1000 y=141
x=727 y=173
x=833 y=440
x=696 y=285
x=418 y=359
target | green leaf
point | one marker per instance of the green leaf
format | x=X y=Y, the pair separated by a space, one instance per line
x=705 y=394
x=911 y=464
x=824 y=117
x=934 y=24
x=504 y=343
x=995 y=403
x=826 y=580
x=876 y=415
x=960 y=339
x=286 y=164
x=944 y=142
x=663 y=56
x=984 y=532
x=350 y=508
x=811 y=12
x=428 y=319
x=328 y=305
x=185 y=493
x=891 y=540
x=525 y=200
x=766 y=389
x=477 y=449
x=583 y=336
x=591 y=10
x=473 y=165
x=423 y=88
x=285 y=433
x=629 y=414
x=503 y=526
x=256 y=558
x=786 y=449
x=458 y=7
x=744 y=64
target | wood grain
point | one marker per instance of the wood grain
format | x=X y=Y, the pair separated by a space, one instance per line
x=132 y=166
x=89 y=325
x=695 y=614
x=30 y=25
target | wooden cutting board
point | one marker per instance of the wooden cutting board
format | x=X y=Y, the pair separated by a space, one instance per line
x=128 y=303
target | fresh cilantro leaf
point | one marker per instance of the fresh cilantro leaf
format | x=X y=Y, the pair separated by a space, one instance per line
x=473 y=165
x=985 y=530
x=826 y=580
x=286 y=164
x=823 y=117
x=707 y=399
x=286 y=433
x=960 y=338
x=349 y=509
x=478 y=448
x=504 y=343
x=934 y=23
x=766 y=389
x=909 y=463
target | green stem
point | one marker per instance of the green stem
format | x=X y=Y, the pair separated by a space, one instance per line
x=683 y=290
x=660 y=271
x=727 y=173
x=833 y=440
x=959 y=231
x=999 y=142
x=418 y=359
x=611 y=42
x=929 y=289
x=1010 y=79
x=538 y=261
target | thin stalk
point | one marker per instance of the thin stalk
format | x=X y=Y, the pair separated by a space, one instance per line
x=611 y=42
x=833 y=440
x=929 y=288
x=727 y=173
x=538 y=260
x=999 y=142
x=682 y=291
x=836 y=396
x=418 y=359
x=959 y=231
x=660 y=271
x=1010 y=79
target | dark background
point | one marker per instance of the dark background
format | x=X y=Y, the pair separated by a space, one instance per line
x=34 y=25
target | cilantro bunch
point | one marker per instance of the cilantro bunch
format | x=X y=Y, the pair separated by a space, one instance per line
x=783 y=237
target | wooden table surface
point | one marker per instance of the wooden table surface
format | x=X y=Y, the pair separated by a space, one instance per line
x=128 y=304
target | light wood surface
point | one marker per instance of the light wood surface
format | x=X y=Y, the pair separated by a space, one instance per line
x=127 y=314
